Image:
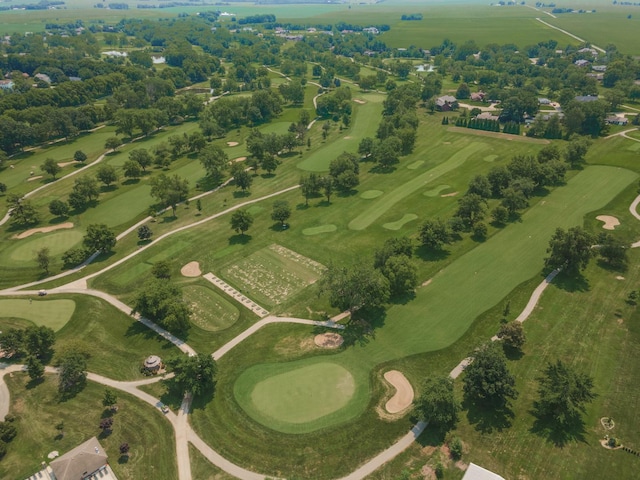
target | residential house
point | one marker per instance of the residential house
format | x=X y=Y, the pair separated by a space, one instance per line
x=43 y=76
x=475 y=472
x=478 y=96
x=615 y=120
x=487 y=116
x=599 y=68
x=446 y=103
x=6 y=84
x=581 y=63
x=371 y=30
x=586 y=98
x=544 y=101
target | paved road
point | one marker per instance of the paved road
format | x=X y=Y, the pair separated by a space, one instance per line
x=602 y=50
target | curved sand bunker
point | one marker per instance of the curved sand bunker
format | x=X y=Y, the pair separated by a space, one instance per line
x=232 y=144
x=191 y=269
x=403 y=397
x=610 y=223
x=357 y=100
x=28 y=233
x=31 y=179
x=239 y=159
x=328 y=340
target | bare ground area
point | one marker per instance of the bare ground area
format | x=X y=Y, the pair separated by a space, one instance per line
x=610 y=223
x=191 y=269
x=328 y=340
x=403 y=397
x=64 y=164
x=28 y=233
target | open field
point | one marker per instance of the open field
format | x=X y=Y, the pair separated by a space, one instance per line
x=38 y=409
x=51 y=313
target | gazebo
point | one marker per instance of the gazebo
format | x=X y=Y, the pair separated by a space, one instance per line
x=153 y=364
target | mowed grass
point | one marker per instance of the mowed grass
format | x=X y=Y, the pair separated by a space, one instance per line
x=210 y=311
x=24 y=250
x=38 y=410
x=272 y=274
x=298 y=400
x=49 y=313
x=365 y=125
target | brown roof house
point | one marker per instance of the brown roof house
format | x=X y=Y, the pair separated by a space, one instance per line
x=446 y=103
x=87 y=461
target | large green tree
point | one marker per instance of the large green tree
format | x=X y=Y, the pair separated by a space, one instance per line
x=194 y=374
x=99 y=238
x=354 y=287
x=570 y=249
x=169 y=190
x=21 y=211
x=51 y=167
x=437 y=403
x=241 y=221
x=487 y=380
x=161 y=301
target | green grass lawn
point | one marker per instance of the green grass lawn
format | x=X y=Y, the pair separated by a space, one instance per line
x=24 y=250
x=203 y=469
x=38 y=410
x=210 y=311
x=50 y=313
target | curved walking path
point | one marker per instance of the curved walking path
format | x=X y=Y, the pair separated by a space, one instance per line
x=623 y=134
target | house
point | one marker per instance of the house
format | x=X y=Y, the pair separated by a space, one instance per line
x=371 y=30
x=581 y=63
x=475 y=472
x=88 y=461
x=597 y=76
x=446 y=103
x=586 y=98
x=6 y=84
x=615 y=120
x=544 y=101
x=43 y=76
x=599 y=68
x=592 y=51
x=75 y=79
x=478 y=96
x=487 y=116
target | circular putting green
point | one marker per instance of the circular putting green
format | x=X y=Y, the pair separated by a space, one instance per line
x=211 y=312
x=51 y=313
x=58 y=243
x=398 y=224
x=434 y=192
x=321 y=229
x=414 y=165
x=300 y=397
x=490 y=158
x=370 y=194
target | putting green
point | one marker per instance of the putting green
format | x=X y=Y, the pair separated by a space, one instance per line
x=370 y=194
x=303 y=398
x=50 y=313
x=123 y=207
x=211 y=312
x=416 y=164
x=434 y=192
x=490 y=158
x=398 y=224
x=384 y=204
x=318 y=230
x=57 y=242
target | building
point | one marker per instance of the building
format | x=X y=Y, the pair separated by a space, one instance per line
x=153 y=364
x=6 y=84
x=615 y=120
x=487 y=116
x=599 y=68
x=586 y=98
x=43 y=76
x=478 y=96
x=446 y=103
x=581 y=63
x=372 y=30
x=475 y=472
x=544 y=101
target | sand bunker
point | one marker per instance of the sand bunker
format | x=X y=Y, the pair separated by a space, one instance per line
x=64 y=164
x=191 y=269
x=329 y=340
x=404 y=392
x=357 y=100
x=28 y=233
x=31 y=179
x=452 y=194
x=240 y=159
x=610 y=223
x=232 y=144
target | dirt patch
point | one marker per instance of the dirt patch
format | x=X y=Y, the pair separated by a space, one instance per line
x=28 y=233
x=610 y=223
x=428 y=473
x=452 y=194
x=403 y=397
x=460 y=465
x=64 y=164
x=232 y=144
x=357 y=100
x=239 y=159
x=31 y=179
x=328 y=340
x=294 y=346
x=191 y=269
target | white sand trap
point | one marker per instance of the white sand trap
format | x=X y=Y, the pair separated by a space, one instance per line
x=64 y=164
x=610 y=223
x=404 y=392
x=28 y=233
x=348 y=137
x=452 y=194
x=619 y=277
x=357 y=100
x=328 y=340
x=31 y=179
x=232 y=144
x=191 y=269
x=240 y=159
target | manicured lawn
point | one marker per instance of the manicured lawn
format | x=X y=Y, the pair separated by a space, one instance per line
x=211 y=312
x=23 y=250
x=38 y=410
x=203 y=469
x=51 y=313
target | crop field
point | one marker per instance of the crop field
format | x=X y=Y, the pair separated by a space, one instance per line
x=272 y=274
x=211 y=312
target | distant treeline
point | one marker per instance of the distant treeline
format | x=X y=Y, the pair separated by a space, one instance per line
x=174 y=4
x=264 y=18
x=42 y=5
x=413 y=16
x=571 y=10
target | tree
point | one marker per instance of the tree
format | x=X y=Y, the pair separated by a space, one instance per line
x=99 y=238
x=21 y=211
x=613 y=251
x=51 y=167
x=576 y=150
x=106 y=174
x=43 y=259
x=512 y=335
x=355 y=287
x=80 y=156
x=437 y=403
x=144 y=233
x=109 y=399
x=392 y=247
x=563 y=393
x=434 y=234
x=327 y=187
x=169 y=191
x=194 y=374
x=74 y=256
x=500 y=215
x=281 y=211
x=241 y=220
x=570 y=250
x=124 y=448
x=142 y=157
x=12 y=342
x=401 y=273
x=161 y=301
x=132 y=169
x=345 y=170
x=199 y=205
x=39 y=341
x=481 y=186
x=85 y=189
x=309 y=186
x=214 y=160
x=3 y=187
x=106 y=424
x=365 y=148
x=471 y=209
x=35 y=368
x=59 y=208
x=72 y=371
x=269 y=163
x=112 y=143
x=243 y=179
x=487 y=379
x=161 y=269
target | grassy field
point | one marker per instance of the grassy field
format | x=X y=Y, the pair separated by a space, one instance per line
x=211 y=312
x=51 y=313
x=38 y=409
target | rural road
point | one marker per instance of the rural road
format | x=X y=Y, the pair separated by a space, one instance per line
x=602 y=50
